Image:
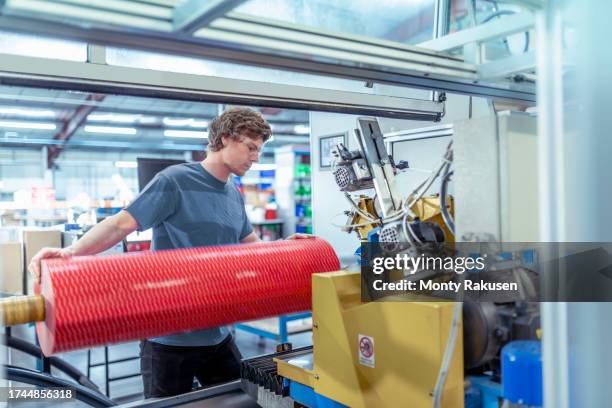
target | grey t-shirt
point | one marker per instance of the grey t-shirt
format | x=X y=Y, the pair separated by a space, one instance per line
x=188 y=207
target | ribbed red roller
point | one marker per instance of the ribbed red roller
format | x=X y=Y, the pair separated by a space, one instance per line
x=91 y=301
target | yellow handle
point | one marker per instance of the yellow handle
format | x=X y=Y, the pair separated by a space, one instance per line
x=22 y=309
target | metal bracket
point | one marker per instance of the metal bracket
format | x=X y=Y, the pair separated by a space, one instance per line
x=372 y=144
x=96 y=54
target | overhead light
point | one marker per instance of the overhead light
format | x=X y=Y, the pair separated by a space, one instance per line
x=102 y=117
x=147 y=119
x=34 y=113
x=198 y=123
x=111 y=130
x=11 y=134
x=176 y=121
x=120 y=118
x=185 y=122
x=186 y=133
x=301 y=129
x=112 y=117
x=126 y=164
x=263 y=166
x=28 y=125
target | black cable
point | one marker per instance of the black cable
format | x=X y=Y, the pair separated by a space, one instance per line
x=63 y=366
x=497 y=14
x=84 y=394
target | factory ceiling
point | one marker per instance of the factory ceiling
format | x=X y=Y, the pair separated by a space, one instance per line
x=75 y=119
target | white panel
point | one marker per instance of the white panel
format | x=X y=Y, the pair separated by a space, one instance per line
x=423 y=156
x=475 y=150
x=519 y=178
x=495 y=178
x=327 y=200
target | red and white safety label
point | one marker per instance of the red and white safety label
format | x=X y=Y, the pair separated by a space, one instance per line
x=366 y=351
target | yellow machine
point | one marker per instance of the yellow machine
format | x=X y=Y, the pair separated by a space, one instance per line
x=377 y=354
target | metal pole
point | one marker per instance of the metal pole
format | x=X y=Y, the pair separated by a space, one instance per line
x=574 y=83
x=552 y=210
x=441 y=18
x=441 y=26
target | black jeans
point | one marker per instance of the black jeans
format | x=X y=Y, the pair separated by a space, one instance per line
x=169 y=370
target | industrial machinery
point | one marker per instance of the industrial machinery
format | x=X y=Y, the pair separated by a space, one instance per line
x=414 y=220
x=397 y=353
x=418 y=353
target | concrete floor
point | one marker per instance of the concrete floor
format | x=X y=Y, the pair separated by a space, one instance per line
x=130 y=389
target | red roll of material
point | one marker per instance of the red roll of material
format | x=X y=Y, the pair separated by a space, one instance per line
x=95 y=300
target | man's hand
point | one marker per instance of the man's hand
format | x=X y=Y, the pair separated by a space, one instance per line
x=46 y=253
x=300 y=236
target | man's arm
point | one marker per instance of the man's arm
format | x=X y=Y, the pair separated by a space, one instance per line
x=101 y=237
x=105 y=234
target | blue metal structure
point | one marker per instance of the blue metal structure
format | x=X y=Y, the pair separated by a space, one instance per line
x=283 y=332
x=307 y=396
x=483 y=392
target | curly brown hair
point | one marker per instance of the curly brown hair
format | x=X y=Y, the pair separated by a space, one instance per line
x=235 y=122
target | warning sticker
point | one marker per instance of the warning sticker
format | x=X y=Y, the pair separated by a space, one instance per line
x=366 y=350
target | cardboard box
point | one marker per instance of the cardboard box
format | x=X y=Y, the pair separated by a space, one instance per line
x=34 y=241
x=11 y=267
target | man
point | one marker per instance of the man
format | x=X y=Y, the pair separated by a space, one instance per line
x=188 y=205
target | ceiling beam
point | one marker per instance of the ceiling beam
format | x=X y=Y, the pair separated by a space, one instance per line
x=71 y=124
x=497 y=28
x=20 y=71
x=419 y=75
x=119 y=13
x=191 y=15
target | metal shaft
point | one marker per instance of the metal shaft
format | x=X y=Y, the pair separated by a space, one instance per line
x=22 y=309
